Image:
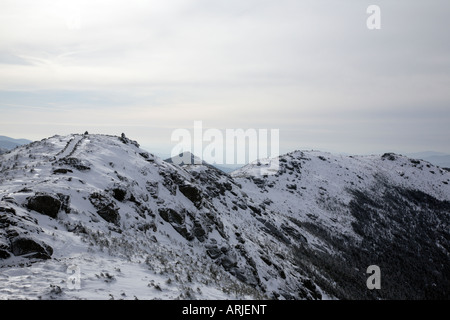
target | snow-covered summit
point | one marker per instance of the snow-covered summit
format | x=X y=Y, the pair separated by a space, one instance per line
x=134 y=225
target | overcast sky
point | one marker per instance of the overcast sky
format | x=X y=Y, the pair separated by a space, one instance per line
x=311 y=69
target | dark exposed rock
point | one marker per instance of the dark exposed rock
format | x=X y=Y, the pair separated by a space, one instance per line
x=292 y=186
x=176 y=220
x=255 y=209
x=144 y=155
x=227 y=186
x=5 y=221
x=109 y=213
x=183 y=232
x=214 y=252
x=9 y=200
x=75 y=163
x=32 y=248
x=266 y=260
x=168 y=183
x=258 y=181
x=77 y=229
x=65 y=202
x=45 y=204
x=133 y=199
x=192 y=193
x=239 y=237
x=293 y=233
x=272 y=230
x=106 y=208
x=126 y=140
x=228 y=263
x=119 y=194
x=198 y=231
x=213 y=219
x=389 y=156
x=4 y=254
x=7 y=210
x=147 y=226
x=62 y=171
x=171 y=216
x=253 y=278
x=241 y=205
x=239 y=275
x=153 y=188
x=308 y=284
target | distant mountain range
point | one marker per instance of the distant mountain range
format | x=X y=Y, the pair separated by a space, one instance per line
x=196 y=160
x=7 y=143
x=436 y=158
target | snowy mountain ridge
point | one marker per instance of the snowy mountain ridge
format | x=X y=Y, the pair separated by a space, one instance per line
x=135 y=226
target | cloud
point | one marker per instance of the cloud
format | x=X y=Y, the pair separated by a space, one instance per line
x=310 y=68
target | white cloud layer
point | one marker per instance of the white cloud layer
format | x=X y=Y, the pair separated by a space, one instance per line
x=309 y=68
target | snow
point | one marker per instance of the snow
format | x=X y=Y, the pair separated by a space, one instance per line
x=102 y=250
x=145 y=256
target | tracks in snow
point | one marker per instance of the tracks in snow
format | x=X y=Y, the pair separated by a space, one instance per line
x=70 y=148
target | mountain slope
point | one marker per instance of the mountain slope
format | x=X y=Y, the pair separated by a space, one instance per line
x=135 y=226
x=111 y=196
x=387 y=210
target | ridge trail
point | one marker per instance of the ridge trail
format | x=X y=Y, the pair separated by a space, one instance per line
x=69 y=148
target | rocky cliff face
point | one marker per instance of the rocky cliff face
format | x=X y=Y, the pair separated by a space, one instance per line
x=137 y=226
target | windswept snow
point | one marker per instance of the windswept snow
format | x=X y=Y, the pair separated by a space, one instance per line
x=137 y=227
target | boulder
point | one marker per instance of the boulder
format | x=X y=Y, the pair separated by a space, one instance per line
x=109 y=213
x=7 y=210
x=176 y=220
x=106 y=208
x=192 y=193
x=171 y=216
x=198 y=231
x=33 y=249
x=45 y=204
x=228 y=263
x=389 y=156
x=291 y=186
x=4 y=254
x=183 y=232
x=75 y=163
x=119 y=194
x=213 y=252
x=62 y=171
x=255 y=209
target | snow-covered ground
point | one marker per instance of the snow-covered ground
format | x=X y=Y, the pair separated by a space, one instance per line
x=129 y=225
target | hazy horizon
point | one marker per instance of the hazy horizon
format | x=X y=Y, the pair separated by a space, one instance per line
x=166 y=153
x=311 y=69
